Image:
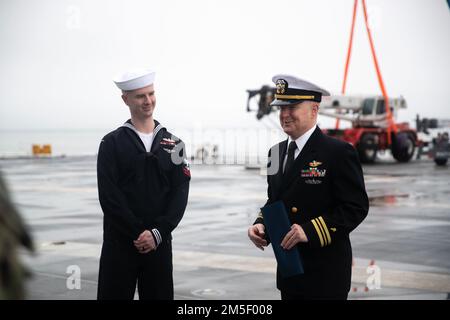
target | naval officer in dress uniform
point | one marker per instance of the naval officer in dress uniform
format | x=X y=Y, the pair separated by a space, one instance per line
x=143 y=184
x=320 y=181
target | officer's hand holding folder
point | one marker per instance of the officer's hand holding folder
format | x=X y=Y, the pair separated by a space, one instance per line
x=277 y=224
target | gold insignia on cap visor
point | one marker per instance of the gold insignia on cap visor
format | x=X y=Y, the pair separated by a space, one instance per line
x=281 y=86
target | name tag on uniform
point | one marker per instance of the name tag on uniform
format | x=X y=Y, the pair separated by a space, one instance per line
x=313 y=181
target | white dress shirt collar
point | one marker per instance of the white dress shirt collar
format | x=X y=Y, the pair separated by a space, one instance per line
x=301 y=141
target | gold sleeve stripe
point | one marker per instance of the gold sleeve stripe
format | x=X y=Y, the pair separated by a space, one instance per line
x=325 y=240
x=324 y=225
x=318 y=232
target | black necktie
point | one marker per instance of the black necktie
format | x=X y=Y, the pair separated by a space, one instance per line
x=290 y=156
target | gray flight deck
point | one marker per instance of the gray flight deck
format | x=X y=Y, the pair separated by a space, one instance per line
x=406 y=236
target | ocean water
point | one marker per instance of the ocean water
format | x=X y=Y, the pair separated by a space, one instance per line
x=223 y=146
x=63 y=142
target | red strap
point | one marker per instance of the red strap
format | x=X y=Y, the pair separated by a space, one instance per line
x=349 y=52
x=391 y=124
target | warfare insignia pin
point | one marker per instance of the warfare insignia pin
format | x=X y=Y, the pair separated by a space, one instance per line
x=282 y=85
x=315 y=164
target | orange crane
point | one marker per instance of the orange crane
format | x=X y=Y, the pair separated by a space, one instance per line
x=373 y=127
x=392 y=126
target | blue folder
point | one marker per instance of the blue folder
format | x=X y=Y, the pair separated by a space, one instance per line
x=277 y=226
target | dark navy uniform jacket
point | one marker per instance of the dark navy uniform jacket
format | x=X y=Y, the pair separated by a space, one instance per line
x=141 y=190
x=324 y=193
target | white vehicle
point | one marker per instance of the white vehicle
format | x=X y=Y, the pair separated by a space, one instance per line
x=362 y=111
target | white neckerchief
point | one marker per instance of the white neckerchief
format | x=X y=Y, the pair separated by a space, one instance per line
x=300 y=142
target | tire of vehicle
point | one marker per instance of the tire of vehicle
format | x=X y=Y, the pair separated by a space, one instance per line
x=403 y=147
x=367 y=148
x=441 y=161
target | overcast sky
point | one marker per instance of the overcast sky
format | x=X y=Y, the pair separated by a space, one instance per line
x=58 y=58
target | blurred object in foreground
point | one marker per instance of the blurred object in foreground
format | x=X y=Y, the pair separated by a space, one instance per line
x=13 y=235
